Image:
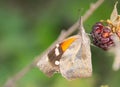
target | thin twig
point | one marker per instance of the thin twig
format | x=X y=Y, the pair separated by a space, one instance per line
x=12 y=81
x=88 y=13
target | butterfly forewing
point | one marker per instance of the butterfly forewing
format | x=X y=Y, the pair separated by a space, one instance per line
x=73 y=63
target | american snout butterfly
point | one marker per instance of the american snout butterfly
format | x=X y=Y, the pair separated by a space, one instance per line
x=70 y=57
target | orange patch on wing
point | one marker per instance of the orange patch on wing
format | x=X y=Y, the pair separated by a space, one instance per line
x=65 y=44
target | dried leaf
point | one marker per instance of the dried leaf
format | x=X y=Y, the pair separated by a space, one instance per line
x=116 y=51
x=114 y=13
x=115 y=22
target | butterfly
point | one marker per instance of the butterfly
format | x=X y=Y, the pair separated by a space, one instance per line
x=70 y=57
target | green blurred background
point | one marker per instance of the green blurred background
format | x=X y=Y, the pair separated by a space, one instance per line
x=28 y=27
